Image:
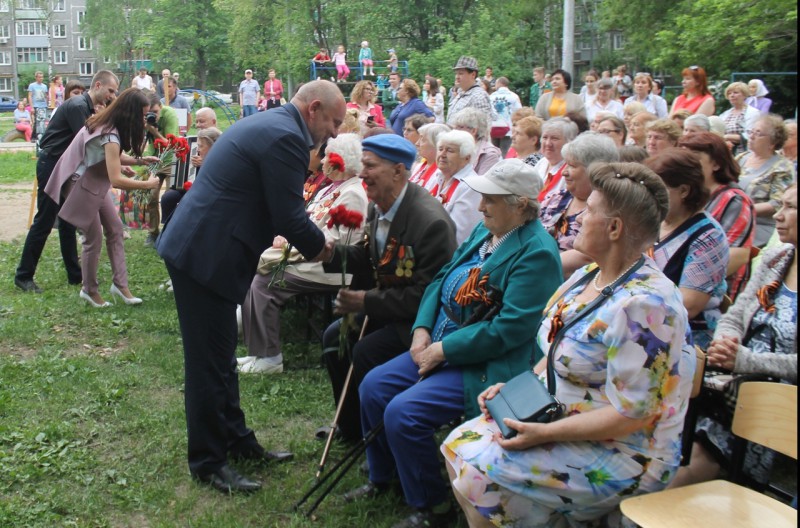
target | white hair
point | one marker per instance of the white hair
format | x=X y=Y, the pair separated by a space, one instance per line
x=348 y=146
x=475 y=119
x=432 y=131
x=698 y=120
x=463 y=140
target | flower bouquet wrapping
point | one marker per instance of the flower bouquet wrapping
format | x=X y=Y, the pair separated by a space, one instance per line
x=167 y=149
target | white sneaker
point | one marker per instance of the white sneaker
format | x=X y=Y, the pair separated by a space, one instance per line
x=261 y=366
x=245 y=360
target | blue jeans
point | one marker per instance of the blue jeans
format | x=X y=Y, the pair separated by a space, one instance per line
x=248 y=110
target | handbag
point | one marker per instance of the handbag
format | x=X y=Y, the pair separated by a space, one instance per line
x=524 y=397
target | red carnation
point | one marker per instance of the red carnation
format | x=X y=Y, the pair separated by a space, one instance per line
x=187 y=185
x=336 y=161
x=161 y=144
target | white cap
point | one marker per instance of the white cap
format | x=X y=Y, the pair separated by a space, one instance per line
x=248 y=71
x=509 y=176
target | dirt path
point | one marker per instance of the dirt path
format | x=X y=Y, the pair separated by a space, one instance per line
x=15 y=202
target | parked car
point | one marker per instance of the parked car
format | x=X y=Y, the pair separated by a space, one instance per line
x=224 y=97
x=7 y=103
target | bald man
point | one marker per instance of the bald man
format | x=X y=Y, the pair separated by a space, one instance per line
x=205 y=118
x=251 y=190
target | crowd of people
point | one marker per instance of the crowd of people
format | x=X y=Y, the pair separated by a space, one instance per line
x=597 y=236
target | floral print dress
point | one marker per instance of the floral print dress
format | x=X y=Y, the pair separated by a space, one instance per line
x=634 y=354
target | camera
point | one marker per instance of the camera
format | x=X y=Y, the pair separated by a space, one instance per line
x=151 y=118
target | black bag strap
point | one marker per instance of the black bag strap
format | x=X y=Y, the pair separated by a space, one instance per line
x=605 y=294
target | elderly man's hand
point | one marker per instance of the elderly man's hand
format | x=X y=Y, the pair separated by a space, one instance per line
x=349 y=301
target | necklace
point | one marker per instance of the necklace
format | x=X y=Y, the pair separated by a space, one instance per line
x=598 y=289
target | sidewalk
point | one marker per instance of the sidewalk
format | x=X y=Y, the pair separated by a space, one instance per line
x=17 y=146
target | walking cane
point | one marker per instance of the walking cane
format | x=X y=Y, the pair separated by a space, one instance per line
x=339 y=406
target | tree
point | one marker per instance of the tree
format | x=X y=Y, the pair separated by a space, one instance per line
x=119 y=28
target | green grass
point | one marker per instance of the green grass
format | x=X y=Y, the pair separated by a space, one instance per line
x=17 y=167
x=92 y=430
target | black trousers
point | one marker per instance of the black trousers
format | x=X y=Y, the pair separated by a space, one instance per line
x=376 y=348
x=43 y=222
x=214 y=421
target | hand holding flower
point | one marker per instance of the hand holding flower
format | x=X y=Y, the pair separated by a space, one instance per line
x=349 y=301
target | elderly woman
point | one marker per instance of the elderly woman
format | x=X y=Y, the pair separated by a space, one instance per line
x=422 y=173
x=604 y=102
x=642 y=93
x=623 y=373
x=696 y=98
x=22 y=121
x=662 y=134
x=637 y=131
x=756 y=338
x=508 y=266
x=362 y=98
x=739 y=118
x=271 y=288
x=477 y=123
x=412 y=125
x=454 y=152
x=560 y=210
x=789 y=150
x=522 y=113
x=765 y=173
x=758 y=96
x=728 y=204
x=694 y=124
x=632 y=109
x=560 y=100
x=525 y=140
x=410 y=104
x=556 y=133
x=692 y=248
x=614 y=128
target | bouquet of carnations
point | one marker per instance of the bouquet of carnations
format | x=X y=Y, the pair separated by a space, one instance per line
x=351 y=220
x=167 y=149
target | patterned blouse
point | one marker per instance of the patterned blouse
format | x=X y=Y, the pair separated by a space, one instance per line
x=553 y=215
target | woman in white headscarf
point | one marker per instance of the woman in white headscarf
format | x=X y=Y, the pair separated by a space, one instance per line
x=758 y=96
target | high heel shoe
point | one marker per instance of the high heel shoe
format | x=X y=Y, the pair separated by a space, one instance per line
x=85 y=296
x=115 y=292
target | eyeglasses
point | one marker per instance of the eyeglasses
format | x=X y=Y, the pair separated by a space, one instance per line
x=612 y=131
x=754 y=134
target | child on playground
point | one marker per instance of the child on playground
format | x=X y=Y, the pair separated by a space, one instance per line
x=365 y=58
x=340 y=59
x=392 y=61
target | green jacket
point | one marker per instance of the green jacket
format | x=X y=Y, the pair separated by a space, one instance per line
x=538 y=91
x=167 y=124
x=527 y=268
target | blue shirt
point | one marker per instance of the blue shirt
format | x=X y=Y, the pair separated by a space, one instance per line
x=407 y=109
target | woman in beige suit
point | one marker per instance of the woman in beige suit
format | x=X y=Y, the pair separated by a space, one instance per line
x=90 y=166
x=560 y=101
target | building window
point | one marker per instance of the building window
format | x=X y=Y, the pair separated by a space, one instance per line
x=59 y=30
x=32 y=28
x=60 y=57
x=5 y=84
x=29 y=4
x=79 y=16
x=108 y=59
x=31 y=55
x=618 y=41
x=5 y=58
x=86 y=68
x=59 y=5
x=84 y=43
x=585 y=43
x=5 y=32
x=4 y=6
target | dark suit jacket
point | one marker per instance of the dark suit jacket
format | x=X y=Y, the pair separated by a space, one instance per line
x=421 y=240
x=251 y=190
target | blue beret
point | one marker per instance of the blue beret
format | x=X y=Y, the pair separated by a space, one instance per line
x=391 y=147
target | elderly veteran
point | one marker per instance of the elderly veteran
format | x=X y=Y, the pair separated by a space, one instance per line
x=408 y=238
x=477 y=124
x=623 y=371
x=454 y=153
x=475 y=327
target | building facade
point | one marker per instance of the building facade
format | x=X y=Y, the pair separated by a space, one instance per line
x=45 y=35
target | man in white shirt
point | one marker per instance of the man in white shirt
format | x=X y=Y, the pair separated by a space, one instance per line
x=142 y=81
x=505 y=103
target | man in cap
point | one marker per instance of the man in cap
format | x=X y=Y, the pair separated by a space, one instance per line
x=249 y=94
x=408 y=238
x=469 y=92
x=251 y=190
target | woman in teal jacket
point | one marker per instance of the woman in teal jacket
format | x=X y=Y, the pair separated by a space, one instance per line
x=475 y=326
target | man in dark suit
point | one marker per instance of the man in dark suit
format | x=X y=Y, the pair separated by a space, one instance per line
x=250 y=191
x=409 y=237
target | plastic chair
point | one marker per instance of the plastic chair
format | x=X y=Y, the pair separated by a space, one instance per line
x=766 y=413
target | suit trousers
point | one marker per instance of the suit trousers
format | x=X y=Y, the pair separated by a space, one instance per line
x=153 y=211
x=376 y=348
x=215 y=423
x=43 y=222
x=261 y=323
x=107 y=220
x=411 y=411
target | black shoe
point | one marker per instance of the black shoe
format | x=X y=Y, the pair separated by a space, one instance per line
x=27 y=285
x=427 y=519
x=367 y=491
x=75 y=282
x=227 y=480
x=150 y=241
x=257 y=454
